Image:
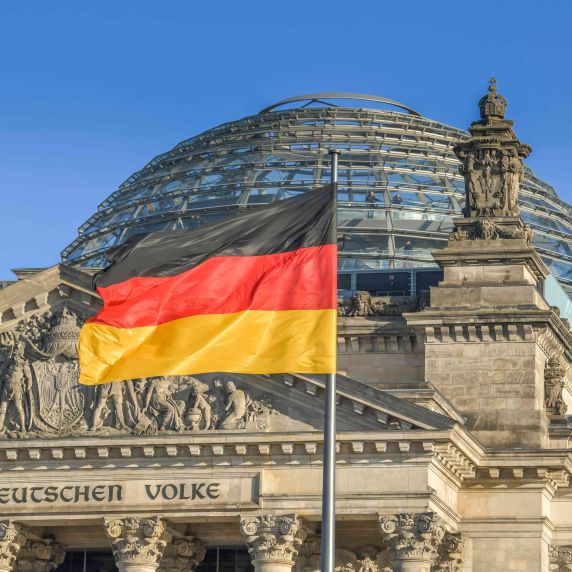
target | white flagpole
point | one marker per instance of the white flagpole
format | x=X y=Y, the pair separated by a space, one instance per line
x=329 y=463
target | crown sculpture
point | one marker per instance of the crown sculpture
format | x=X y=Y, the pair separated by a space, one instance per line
x=492 y=164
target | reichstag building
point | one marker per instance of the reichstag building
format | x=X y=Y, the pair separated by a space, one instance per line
x=454 y=367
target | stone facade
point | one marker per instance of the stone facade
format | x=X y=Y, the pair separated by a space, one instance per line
x=453 y=448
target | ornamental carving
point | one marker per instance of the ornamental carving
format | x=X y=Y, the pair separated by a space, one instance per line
x=363 y=304
x=40 y=394
x=183 y=554
x=309 y=554
x=12 y=538
x=492 y=161
x=450 y=553
x=553 y=385
x=136 y=540
x=487 y=229
x=273 y=538
x=412 y=536
x=560 y=558
x=363 y=559
x=40 y=555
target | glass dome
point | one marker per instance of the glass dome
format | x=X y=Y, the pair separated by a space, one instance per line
x=406 y=159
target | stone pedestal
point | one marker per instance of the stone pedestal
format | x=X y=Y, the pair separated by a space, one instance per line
x=12 y=538
x=412 y=540
x=137 y=543
x=483 y=332
x=273 y=541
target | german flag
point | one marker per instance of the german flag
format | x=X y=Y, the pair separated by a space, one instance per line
x=251 y=294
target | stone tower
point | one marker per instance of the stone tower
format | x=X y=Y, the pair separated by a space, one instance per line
x=487 y=323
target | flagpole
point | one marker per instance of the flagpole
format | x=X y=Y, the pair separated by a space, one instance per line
x=329 y=464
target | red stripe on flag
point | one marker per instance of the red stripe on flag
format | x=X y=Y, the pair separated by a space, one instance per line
x=303 y=279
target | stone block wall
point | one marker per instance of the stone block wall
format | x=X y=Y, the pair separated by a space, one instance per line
x=494 y=376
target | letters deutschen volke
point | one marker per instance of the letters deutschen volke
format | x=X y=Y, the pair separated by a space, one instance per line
x=190 y=491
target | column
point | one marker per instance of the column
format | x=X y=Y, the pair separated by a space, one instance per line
x=450 y=553
x=40 y=555
x=309 y=554
x=560 y=558
x=273 y=541
x=12 y=538
x=183 y=554
x=137 y=543
x=412 y=540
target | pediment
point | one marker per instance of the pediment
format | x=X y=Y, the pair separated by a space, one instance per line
x=45 y=291
x=41 y=397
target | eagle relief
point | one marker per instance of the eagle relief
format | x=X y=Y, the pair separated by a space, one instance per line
x=40 y=394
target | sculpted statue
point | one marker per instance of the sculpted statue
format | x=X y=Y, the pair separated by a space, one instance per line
x=113 y=394
x=235 y=408
x=17 y=391
x=199 y=414
x=492 y=161
x=553 y=386
x=160 y=403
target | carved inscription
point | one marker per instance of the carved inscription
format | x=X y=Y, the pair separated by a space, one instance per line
x=220 y=490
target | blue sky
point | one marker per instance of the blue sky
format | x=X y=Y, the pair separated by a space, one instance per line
x=92 y=90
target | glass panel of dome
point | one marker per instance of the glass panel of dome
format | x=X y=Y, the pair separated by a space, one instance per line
x=544 y=220
x=112 y=218
x=552 y=245
x=401 y=198
x=439 y=201
x=97 y=243
x=272 y=176
x=401 y=214
x=354 y=217
x=208 y=180
x=363 y=243
x=147 y=228
x=363 y=263
x=96 y=262
x=560 y=269
x=359 y=196
x=160 y=206
x=527 y=198
x=416 y=247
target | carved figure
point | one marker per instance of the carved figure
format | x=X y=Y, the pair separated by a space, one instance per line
x=160 y=403
x=553 y=385
x=200 y=412
x=16 y=391
x=235 y=408
x=112 y=393
x=40 y=394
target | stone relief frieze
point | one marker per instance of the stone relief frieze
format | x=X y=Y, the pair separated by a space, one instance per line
x=487 y=229
x=363 y=304
x=40 y=393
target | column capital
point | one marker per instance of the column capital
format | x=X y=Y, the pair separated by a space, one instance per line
x=12 y=538
x=40 y=555
x=412 y=536
x=136 y=542
x=272 y=538
x=309 y=554
x=560 y=558
x=183 y=554
x=450 y=553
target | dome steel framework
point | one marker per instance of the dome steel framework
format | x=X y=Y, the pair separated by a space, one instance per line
x=405 y=158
